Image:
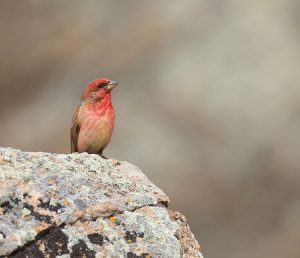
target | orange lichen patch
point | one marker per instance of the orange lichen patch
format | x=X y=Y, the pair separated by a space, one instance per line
x=112 y=219
x=129 y=241
x=66 y=201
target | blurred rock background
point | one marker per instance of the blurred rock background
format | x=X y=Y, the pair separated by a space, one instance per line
x=208 y=103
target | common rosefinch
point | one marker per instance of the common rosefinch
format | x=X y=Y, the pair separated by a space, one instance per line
x=93 y=118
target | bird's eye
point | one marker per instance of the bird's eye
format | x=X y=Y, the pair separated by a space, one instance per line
x=100 y=85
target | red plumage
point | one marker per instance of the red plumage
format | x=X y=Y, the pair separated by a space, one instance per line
x=93 y=118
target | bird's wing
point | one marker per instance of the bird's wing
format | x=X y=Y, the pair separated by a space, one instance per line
x=75 y=128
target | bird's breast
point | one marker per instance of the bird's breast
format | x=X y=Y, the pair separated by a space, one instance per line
x=96 y=130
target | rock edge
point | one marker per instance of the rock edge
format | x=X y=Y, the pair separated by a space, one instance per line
x=81 y=205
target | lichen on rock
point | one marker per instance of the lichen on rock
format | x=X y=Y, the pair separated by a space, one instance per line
x=81 y=205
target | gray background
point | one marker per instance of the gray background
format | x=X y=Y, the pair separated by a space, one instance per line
x=207 y=106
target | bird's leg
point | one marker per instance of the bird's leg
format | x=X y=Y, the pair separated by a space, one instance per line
x=113 y=161
x=101 y=155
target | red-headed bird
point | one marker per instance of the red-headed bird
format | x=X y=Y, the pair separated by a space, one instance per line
x=93 y=119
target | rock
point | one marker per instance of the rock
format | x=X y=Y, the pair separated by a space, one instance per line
x=81 y=205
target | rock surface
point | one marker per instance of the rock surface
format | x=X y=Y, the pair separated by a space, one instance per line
x=81 y=205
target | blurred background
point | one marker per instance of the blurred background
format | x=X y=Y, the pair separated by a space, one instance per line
x=208 y=103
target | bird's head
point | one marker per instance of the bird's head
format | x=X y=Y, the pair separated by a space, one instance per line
x=98 y=89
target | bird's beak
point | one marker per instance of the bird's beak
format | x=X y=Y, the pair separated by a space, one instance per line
x=111 y=85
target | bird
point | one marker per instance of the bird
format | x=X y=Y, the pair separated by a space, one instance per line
x=93 y=119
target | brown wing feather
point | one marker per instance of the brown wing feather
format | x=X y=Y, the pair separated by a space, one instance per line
x=75 y=128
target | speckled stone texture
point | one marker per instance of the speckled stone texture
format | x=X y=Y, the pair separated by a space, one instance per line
x=81 y=205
